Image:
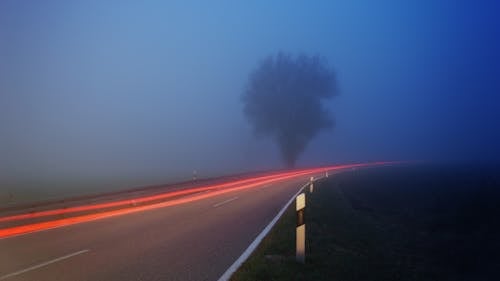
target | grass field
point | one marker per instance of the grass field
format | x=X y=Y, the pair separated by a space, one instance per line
x=19 y=192
x=391 y=223
x=36 y=192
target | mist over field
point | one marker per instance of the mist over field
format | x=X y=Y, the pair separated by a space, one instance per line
x=110 y=94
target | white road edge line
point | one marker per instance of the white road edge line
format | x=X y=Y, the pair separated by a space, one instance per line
x=42 y=264
x=225 y=201
x=258 y=239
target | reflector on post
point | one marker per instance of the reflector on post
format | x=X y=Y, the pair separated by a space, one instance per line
x=300 y=202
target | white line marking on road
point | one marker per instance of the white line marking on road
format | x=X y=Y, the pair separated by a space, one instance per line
x=42 y=264
x=201 y=192
x=258 y=239
x=225 y=201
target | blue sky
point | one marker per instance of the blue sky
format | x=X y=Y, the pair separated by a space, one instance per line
x=152 y=89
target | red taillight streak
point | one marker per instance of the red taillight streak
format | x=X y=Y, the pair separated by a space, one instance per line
x=68 y=210
x=18 y=230
x=9 y=232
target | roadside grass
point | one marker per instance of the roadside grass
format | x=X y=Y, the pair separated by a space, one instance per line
x=30 y=191
x=342 y=244
x=390 y=223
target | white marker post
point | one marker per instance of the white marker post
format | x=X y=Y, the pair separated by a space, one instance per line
x=326 y=174
x=311 y=185
x=300 y=204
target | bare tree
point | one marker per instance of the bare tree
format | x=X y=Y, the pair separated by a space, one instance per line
x=284 y=100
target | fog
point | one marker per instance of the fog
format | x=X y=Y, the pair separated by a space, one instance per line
x=140 y=93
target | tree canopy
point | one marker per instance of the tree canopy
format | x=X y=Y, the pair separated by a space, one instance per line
x=284 y=100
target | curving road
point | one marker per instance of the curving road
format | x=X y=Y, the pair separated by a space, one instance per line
x=196 y=240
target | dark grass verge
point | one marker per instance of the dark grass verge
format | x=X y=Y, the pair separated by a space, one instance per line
x=341 y=244
x=392 y=223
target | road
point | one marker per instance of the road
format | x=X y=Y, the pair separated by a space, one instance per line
x=196 y=240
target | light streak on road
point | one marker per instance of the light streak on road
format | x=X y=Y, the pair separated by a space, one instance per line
x=129 y=206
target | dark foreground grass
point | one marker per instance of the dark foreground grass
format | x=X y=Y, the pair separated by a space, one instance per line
x=341 y=244
x=397 y=223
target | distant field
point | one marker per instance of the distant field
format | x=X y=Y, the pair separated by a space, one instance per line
x=19 y=193
x=26 y=193
x=391 y=223
x=15 y=193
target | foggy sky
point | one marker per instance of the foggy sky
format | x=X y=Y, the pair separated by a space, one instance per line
x=125 y=90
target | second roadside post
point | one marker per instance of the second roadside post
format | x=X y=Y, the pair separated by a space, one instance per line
x=300 y=204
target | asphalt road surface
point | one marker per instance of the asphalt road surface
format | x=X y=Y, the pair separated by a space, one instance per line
x=196 y=240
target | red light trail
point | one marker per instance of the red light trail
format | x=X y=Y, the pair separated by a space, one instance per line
x=216 y=189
